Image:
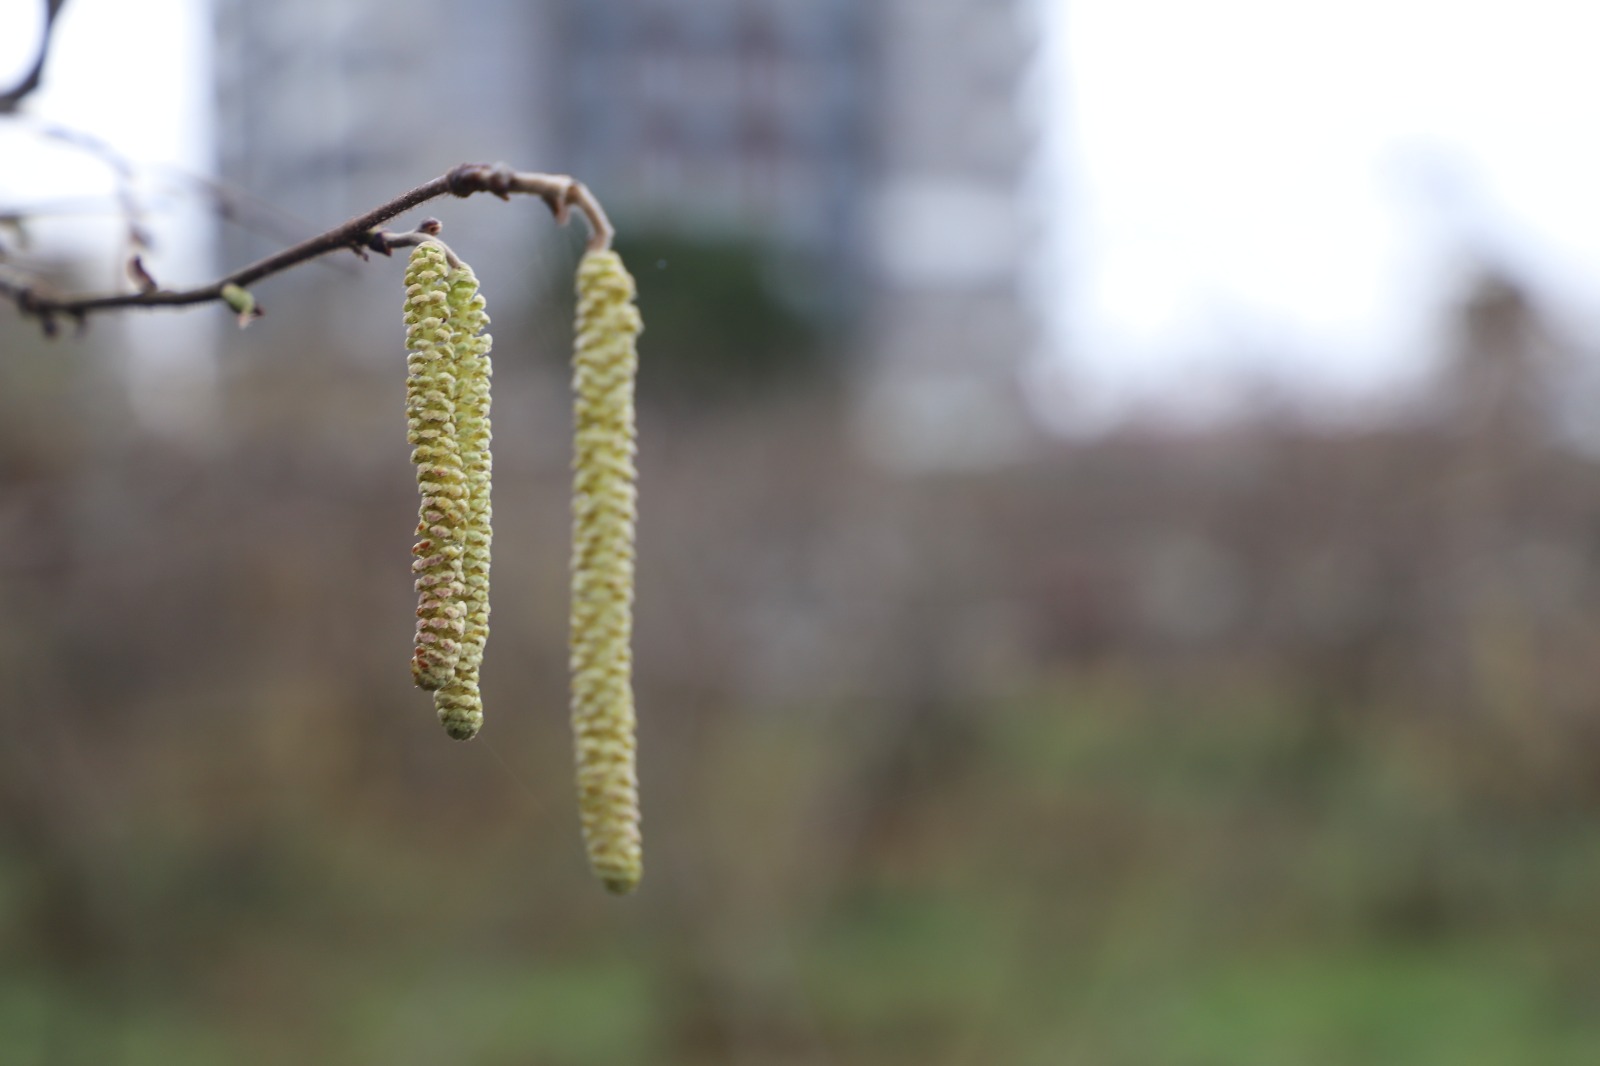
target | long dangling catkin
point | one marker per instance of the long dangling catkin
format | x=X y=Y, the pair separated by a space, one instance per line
x=431 y=430
x=459 y=704
x=605 y=361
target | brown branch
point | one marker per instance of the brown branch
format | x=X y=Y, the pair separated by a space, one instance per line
x=360 y=234
x=12 y=98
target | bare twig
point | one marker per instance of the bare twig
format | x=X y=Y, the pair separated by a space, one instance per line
x=360 y=234
x=228 y=203
x=237 y=207
x=12 y=98
x=136 y=238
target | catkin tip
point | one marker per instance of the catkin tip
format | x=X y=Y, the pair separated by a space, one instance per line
x=459 y=705
x=458 y=728
x=431 y=676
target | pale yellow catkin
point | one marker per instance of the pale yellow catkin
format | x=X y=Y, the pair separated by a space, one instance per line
x=441 y=481
x=459 y=704
x=605 y=362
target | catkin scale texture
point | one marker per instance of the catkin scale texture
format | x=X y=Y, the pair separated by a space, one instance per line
x=441 y=480
x=605 y=362
x=458 y=702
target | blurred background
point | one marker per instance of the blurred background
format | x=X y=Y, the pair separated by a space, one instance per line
x=1118 y=575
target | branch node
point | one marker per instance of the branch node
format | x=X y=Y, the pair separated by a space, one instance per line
x=465 y=179
x=501 y=180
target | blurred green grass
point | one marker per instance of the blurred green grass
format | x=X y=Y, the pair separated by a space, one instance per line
x=1105 y=872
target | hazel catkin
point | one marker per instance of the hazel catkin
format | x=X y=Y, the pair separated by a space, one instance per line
x=605 y=362
x=458 y=703
x=441 y=482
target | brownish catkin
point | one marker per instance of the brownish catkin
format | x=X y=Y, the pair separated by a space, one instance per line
x=441 y=481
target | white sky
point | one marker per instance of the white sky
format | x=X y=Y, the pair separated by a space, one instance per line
x=133 y=74
x=1285 y=188
x=1274 y=189
x=136 y=75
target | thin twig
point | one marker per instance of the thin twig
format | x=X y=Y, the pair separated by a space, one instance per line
x=233 y=205
x=360 y=234
x=229 y=203
x=12 y=98
x=136 y=238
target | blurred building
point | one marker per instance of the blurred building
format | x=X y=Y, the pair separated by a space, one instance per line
x=883 y=141
x=949 y=327
x=726 y=114
x=326 y=109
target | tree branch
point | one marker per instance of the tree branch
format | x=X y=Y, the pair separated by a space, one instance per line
x=360 y=234
x=12 y=98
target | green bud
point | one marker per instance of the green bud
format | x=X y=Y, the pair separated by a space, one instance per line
x=242 y=302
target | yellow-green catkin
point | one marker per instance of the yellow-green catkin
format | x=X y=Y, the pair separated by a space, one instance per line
x=459 y=703
x=441 y=480
x=605 y=361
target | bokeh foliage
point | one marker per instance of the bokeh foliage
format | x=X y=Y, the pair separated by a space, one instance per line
x=1270 y=747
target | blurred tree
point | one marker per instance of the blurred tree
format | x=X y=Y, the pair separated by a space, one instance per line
x=724 y=318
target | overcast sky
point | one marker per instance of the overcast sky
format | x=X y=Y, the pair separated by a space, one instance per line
x=134 y=74
x=1287 y=187
x=1235 y=189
